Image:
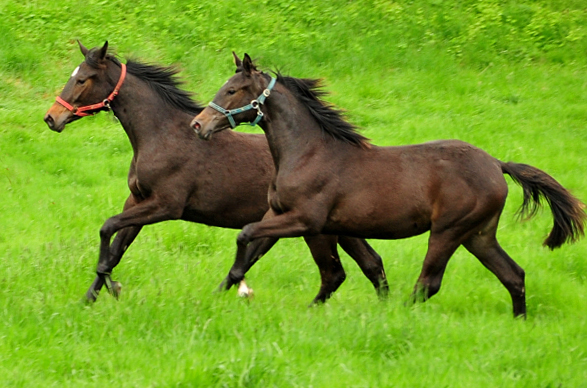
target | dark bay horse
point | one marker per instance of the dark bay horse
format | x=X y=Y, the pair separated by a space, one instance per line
x=173 y=176
x=330 y=179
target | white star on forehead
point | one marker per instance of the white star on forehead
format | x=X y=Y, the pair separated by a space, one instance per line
x=75 y=71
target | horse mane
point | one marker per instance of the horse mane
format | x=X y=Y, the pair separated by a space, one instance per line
x=330 y=119
x=163 y=80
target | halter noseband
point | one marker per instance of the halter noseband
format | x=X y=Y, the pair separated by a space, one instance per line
x=255 y=104
x=80 y=112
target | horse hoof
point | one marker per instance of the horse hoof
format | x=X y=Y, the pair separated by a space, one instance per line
x=244 y=291
x=90 y=297
x=116 y=289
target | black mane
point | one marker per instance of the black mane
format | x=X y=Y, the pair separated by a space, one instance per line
x=331 y=119
x=163 y=80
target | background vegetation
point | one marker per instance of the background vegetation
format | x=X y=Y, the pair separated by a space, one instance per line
x=508 y=76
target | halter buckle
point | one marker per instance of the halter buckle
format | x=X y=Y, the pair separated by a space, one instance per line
x=266 y=92
x=106 y=103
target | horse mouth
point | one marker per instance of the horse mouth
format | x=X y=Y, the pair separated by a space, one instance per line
x=57 y=125
x=207 y=135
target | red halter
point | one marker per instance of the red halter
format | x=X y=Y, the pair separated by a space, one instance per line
x=104 y=104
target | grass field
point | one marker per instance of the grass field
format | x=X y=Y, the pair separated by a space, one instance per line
x=507 y=77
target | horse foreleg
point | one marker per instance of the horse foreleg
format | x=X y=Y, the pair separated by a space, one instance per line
x=325 y=255
x=121 y=242
x=246 y=257
x=290 y=224
x=135 y=215
x=368 y=260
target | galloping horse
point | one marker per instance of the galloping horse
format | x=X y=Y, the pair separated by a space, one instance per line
x=173 y=176
x=330 y=179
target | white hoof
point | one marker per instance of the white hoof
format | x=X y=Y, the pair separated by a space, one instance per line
x=244 y=291
x=116 y=289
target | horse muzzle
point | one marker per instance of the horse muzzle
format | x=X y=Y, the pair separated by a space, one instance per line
x=197 y=126
x=56 y=118
x=204 y=126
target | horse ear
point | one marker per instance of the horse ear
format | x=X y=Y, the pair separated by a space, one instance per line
x=104 y=50
x=83 y=48
x=248 y=66
x=237 y=60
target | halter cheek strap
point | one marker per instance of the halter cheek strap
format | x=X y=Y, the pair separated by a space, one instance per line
x=81 y=111
x=255 y=104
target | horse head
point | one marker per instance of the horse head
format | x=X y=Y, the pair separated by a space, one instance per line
x=89 y=89
x=240 y=100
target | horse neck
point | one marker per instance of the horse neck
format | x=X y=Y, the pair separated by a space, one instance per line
x=142 y=112
x=292 y=133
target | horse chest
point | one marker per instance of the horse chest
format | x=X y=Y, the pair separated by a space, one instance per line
x=136 y=189
x=139 y=179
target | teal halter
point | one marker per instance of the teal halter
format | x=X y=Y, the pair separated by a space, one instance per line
x=255 y=104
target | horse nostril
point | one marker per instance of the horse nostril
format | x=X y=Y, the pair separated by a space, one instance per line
x=197 y=126
x=49 y=120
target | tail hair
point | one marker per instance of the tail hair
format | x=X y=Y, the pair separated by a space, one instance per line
x=567 y=211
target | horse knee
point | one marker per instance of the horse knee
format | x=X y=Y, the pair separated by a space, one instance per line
x=244 y=237
x=106 y=231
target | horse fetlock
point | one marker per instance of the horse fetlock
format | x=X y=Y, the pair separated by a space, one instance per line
x=235 y=277
x=91 y=296
x=103 y=269
x=382 y=289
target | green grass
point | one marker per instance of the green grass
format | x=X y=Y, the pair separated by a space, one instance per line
x=505 y=76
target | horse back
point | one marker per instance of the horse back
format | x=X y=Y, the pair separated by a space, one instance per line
x=397 y=192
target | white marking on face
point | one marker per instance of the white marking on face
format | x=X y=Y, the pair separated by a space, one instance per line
x=75 y=71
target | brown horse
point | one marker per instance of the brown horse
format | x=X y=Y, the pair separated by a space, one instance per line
x=173 y=176
x=331 y=180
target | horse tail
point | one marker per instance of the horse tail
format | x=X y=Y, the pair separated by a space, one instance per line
x=567 y=210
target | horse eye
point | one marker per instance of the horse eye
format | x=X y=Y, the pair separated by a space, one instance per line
x=81 y=81
x=231 y=91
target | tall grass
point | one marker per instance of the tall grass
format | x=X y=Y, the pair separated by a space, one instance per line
x=505 y=76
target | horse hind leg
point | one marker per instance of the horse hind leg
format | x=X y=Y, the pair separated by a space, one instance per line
x=368 y=260
x=441 y=247
x=485 y=247
x=121 y=242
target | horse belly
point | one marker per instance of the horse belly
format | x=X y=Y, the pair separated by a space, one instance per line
x=380 y=223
